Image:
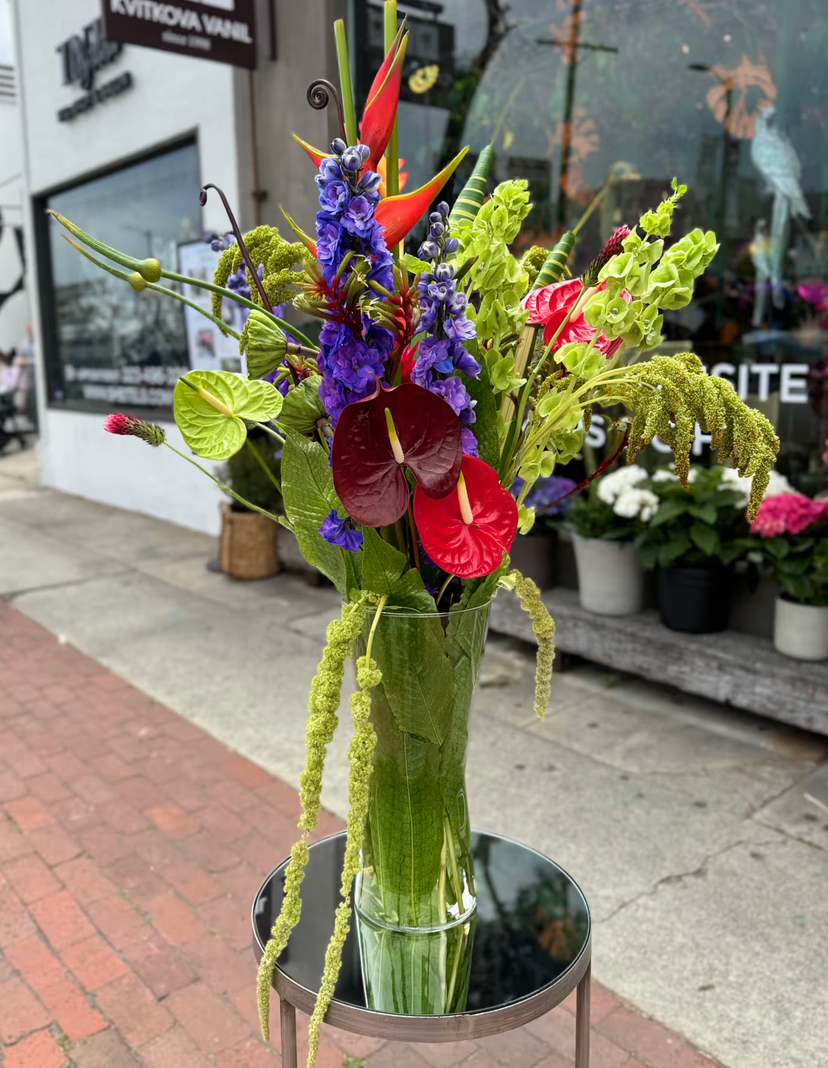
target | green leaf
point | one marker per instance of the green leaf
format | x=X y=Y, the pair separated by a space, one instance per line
x=705 y=512
x=414 y=264
x=485 y=427
x=668 y=510
x=410 y=592
x=217 y=433
x=705 y=538
x=673 y=549
x=416 y=676
x=309 y=498
x=302 y=408
x=648 y=555
x=382 y=564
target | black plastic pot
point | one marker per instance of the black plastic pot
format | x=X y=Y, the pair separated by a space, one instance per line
x=693 y=599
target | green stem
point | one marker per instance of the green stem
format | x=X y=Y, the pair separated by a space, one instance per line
x=226 y=489
x=220 y=323
x=211 y=287
x=345 y=83
x=263 y=464
x=392 y=161
x=269 y=430
x=415 y=552
x=443 y=589
x=383 y=601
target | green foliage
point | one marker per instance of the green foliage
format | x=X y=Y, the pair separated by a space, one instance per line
x=669 y=395
x=487 y=420
x=798 y=563
x=496 y=275
x=532 y=261
x=212 y=412
x=594 y=518
x=279 y=259
x=703 y=524
x=246 y=475
x=309 y=498
x=658 y=222
x=264 y=342
x=302 y=409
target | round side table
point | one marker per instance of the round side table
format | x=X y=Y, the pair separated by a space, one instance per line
x=531 y=949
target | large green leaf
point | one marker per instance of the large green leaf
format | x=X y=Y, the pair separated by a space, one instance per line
x=416 y=675
x=485 y=427
x=706 y=512
x=705 y=538
x=671 y=550
x=309 y=498
x=216 y=433
x=382 y=564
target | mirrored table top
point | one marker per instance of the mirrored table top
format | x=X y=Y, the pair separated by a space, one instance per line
x=533 y=927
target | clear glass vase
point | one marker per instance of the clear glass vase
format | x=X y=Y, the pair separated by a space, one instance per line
x=415 y=897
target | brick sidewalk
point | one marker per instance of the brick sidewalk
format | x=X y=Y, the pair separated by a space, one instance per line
x=131 y=844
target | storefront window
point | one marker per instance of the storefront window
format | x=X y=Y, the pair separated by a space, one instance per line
x=730 y=96
x=109 y=344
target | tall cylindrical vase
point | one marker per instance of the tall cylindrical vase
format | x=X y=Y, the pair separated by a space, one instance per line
x=415 y=897
x=610 y=576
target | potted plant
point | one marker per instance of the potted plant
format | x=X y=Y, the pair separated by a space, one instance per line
x=692 y=538
x=793 y=538
x=549 y=499
x=247 y=544
x=605 y=524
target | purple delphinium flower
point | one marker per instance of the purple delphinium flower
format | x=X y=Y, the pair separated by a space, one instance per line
x=442 y=353
x=341 y=532
x=545 y=495
x=350 y=360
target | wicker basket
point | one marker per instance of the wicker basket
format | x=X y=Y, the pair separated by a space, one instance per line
x=247 y=548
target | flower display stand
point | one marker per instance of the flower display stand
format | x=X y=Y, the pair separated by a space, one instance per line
x=532 y=948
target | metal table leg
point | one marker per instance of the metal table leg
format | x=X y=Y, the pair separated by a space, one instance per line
x=287 y=1015
x=582 y=1021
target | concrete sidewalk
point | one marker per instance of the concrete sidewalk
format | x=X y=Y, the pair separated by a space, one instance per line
x=685 y=823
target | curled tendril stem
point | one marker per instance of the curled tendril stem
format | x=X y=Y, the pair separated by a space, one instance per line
x=320 y=92
x=202 y=199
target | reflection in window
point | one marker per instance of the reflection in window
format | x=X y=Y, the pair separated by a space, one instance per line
x=580 y=96
x=111 y=344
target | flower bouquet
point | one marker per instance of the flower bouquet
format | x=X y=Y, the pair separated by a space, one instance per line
x=430 y=391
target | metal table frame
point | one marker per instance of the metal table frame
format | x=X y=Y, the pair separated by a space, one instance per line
x=466 y=1025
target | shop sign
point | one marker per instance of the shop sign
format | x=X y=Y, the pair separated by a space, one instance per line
x=186 y=27
x=83 y=55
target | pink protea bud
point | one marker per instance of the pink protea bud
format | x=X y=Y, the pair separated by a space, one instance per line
x=130 y=425
x=613 y=247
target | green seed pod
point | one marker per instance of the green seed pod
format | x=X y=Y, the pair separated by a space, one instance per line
x=470 y=201
x=266 y=345
x=553 y=269
x=150 y=270
x=137 y=281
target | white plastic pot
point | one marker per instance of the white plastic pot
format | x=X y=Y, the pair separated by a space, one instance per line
x=801 y=630
x=610 y=577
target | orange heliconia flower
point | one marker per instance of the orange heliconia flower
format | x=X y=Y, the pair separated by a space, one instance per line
x=727 y=99
x=381 y=172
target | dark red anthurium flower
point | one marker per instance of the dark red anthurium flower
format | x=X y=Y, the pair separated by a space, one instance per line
x=376 y=437
x=468 y=531
x=549 y=306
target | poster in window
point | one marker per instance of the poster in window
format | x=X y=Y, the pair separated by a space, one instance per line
x=209 y=349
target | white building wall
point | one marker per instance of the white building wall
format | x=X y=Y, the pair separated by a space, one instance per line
x=172 y=96
x=14 y=304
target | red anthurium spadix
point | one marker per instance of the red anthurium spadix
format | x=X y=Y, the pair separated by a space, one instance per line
x=376 y=437
x=468 y=531
x=399 y=215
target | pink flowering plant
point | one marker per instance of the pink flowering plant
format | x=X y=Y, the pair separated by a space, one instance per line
x=792 y=534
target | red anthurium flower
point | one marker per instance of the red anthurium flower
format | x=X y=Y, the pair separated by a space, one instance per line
x=468 y=531
x=376 y=437
x=549 y=306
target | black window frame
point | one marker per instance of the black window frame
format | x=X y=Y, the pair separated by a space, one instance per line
x=51 y=364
